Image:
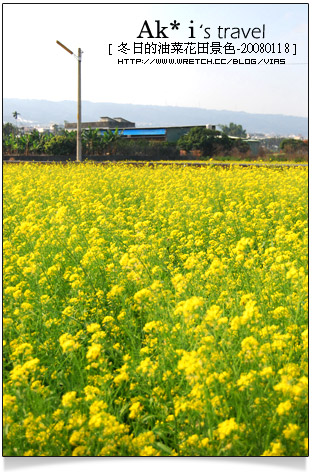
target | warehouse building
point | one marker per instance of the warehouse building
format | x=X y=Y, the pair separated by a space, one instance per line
x=128 y=130
x=104 y=123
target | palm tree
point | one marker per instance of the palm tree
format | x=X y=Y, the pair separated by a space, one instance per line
x=15 y=115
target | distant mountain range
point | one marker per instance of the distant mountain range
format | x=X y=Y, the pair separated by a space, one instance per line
x=44 y=112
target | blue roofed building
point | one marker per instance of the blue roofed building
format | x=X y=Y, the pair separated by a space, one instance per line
x=129 y=131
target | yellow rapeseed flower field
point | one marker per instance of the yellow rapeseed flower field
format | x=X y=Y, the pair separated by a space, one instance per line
x=155 y=311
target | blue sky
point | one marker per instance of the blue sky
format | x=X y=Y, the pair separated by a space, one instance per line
x=34 y=67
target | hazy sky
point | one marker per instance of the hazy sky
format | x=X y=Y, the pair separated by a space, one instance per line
x=35 y=67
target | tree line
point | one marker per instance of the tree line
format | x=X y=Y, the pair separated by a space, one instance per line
x=94 y=143
x=208 y=142
x=64 y=144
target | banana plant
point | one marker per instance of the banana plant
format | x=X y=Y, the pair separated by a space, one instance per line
x=110 y=138
x=9 y=144
x=22 y=144
x=92 y=141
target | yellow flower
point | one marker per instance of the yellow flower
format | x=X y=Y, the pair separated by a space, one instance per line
x=292 y=273
x=276 y=449
x=192 y=440
x=291 y=431
x=143 y=296
x=306 y=445
x=266 y=372
x=135 y=410
x=93 y=351
x=122 y=376
x=8 y=401
x=143 y=439
x=116 y=290
x=68 y=343
x=205 y=442
x=29 y=452
x=246 y=380
x=91 y=392
x=79 y=451
x=93 y=327
x=179 y=282
x=59 y=426
x=151 y=325
x=97 y=406
x=21 y=372
x=68 y=399
x=107 y=319
x=216 y=268
x=283 y=407
x=226 y=427
x=149 y=451
x=25 y=349
x=249 y=346
x=189 y=307
x=213 y=313
x=78 y=437
x=146 y=366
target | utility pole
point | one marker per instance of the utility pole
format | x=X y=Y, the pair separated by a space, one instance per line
x=79 y=107
x=79 y=132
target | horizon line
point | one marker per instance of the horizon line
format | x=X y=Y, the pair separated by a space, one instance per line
x=158 y=105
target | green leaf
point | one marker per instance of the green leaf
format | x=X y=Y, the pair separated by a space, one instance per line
x=163 y=447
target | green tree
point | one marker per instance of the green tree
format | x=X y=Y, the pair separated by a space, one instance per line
x=64 y=145
x=233 y=130
x=209 y=142
x=291 y=145
x=57 y=129
x=8 y=128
